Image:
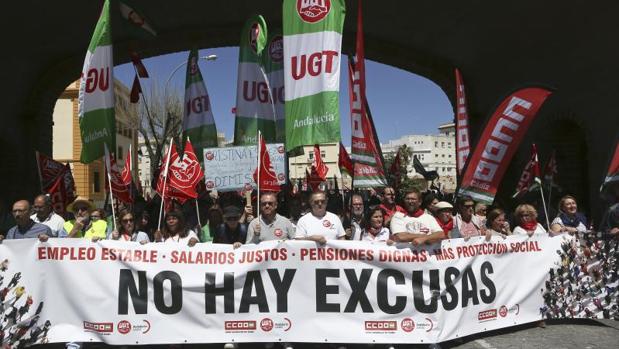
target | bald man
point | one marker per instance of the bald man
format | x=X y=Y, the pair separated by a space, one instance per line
x=26 y=228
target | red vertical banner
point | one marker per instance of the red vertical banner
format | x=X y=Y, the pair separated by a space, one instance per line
x=268 y=178
x=365 y=149
x=499 y=141
x=462 y=125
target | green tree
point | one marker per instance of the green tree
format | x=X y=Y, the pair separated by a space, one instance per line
x=399 y=178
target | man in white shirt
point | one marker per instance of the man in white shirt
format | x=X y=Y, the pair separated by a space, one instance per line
x=44 y=214
x=415 y=226
x=319 y=225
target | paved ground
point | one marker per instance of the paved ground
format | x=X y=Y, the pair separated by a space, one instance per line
x=577 y=334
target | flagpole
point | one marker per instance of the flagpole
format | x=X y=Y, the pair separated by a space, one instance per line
x=36 y=153
x=258 y=177
x=198 y=214
x=165 y=180
x=109 y=182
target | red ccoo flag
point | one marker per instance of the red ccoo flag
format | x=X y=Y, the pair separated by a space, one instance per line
x=344 y=162
x=120 y=190
x=319 y=166
x=462 y=125
x=499 y=141
x=268 y=178
x=529 y=174
x=125 y=175
x=57 y=181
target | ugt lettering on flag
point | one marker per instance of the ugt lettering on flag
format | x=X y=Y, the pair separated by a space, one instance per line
x=96 y=94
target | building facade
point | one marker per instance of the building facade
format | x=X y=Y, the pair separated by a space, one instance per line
x=67 y=143
x=435 y=152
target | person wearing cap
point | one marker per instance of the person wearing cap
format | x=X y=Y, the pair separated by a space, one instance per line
x=82 y=226
x=269 y=225
x=415 y=226
x=444 y=217
x=44 y=214
x=466 y=225
x=231 y=231
x=26 y=228
x=319 y=225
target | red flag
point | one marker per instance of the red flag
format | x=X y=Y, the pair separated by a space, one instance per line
x=462 y=125
x=344 y=162
x=57 y=181
x=613 y=169
x=313 y=180
x=395 y=171
x=499 y=141
x=125 y=175
x=319 y=166
x=171 y=193
x=268 y=178
x=137 y=63
x=368 y=168
x=120 y=190
x=550 y=171
x=185 y=172
x=136 y=89
x=529 y=174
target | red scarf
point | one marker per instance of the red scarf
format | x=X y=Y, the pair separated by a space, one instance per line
x=529 y=226
x=447 y=227
x=417 y=213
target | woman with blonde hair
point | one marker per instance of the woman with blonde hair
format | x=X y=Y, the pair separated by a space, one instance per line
x=526 y=220
x=569 y=220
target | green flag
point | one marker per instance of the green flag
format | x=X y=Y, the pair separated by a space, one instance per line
x=198 y=121
x=273 y=62
x=254 y=109
x=96 y=95
x=312 y=45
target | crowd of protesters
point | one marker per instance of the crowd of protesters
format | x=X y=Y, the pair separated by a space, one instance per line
x=373 y=215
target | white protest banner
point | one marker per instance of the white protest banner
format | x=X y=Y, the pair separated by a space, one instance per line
x=293 y=291
x=232 y=168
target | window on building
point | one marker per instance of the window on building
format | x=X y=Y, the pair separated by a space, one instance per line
x=448 y=144
x=449 y=155
x=96 y=181
x=442 y=144
x=442 y=155
x=436 y=144
x=120 y=153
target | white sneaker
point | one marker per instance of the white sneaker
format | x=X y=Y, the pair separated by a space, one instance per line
x=230 y=346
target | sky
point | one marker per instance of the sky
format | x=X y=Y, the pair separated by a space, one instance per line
x=402 y=103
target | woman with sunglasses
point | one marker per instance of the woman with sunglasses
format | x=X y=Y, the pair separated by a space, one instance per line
x=175 y=230
x=127 y=229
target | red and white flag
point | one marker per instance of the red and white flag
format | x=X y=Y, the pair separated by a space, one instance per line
x=344 y=162
x=120 y=190
x=530 y=174
x=318 y=167
x=499 y=142
x=368 y=169
x=125 y=175
x=462 y=125
x=57 y=181
x=267 y=180
x=182 y=175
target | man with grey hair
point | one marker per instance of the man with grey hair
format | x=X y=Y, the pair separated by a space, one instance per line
x=319 y=225
x=44 y=214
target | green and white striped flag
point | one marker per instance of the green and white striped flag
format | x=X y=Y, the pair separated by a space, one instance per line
x=312 y=50
x=96 y=95
x=273 y=62
x=198 y=121
x=254 y=109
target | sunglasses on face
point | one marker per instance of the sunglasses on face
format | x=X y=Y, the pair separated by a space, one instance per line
x=318 y=202
x=267 y=203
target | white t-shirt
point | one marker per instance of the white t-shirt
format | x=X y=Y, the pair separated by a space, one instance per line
x=185 y=240
x=383 y=235
x=518 y=230
x=424 y=224
x=53 y=221
x=328 y=226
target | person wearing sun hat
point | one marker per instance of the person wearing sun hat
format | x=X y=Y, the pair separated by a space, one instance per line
x=82 y=226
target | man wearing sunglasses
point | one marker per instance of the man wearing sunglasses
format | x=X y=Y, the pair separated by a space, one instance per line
x=269 y=225
x=466 y=224
x=82 y=226
x=231 y=231
x=319 y=225
x=26 y=228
